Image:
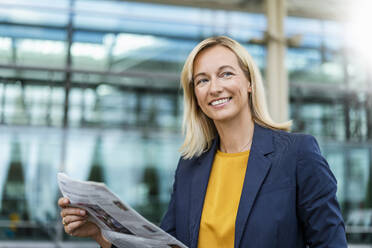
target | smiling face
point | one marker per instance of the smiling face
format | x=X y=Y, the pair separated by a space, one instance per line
x=220 y=85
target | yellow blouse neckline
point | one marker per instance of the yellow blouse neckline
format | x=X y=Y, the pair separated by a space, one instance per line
x=237 y=154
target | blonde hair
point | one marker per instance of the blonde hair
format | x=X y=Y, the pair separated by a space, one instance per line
x=199 y=130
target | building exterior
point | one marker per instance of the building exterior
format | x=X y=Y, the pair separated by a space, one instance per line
x=91 y=88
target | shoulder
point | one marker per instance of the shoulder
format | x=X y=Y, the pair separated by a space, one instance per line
x=302 y=144
x=187 y=162
x=185 y=165
x=311 y=168
x=207 y=154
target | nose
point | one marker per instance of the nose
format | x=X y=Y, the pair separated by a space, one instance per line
x=215 y=88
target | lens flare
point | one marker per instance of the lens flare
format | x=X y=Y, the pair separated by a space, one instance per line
x=359 y=35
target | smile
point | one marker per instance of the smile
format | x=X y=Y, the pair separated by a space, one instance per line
x=220 y=101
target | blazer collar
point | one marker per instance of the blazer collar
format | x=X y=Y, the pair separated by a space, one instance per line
x=257 y=169
x=262 y=140
x=199 y=183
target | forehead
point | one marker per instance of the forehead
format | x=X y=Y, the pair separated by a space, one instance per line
x=212 y=58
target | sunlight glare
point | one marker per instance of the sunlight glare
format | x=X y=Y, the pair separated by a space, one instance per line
x=359 y=35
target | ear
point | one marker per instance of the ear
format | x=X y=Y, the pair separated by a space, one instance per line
x=250 y=87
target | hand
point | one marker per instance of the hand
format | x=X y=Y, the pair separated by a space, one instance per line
x=76 y=224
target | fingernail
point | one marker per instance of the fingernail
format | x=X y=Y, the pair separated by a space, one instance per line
x=65 y=201
x=82 y=212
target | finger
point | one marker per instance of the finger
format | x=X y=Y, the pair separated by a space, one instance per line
x=63 y=202
x=72 y=218
x=72 y=227
x=73 y=211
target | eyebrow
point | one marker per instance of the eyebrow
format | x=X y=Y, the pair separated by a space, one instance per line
x=219 y=69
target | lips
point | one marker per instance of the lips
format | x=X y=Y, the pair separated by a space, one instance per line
x=220 y=101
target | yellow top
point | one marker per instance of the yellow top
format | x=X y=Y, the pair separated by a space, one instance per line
x=217 y=225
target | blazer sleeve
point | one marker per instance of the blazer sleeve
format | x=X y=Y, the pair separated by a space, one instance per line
x=168 y=222
x=317 y=206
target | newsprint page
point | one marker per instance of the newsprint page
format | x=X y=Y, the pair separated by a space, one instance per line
x=119 y=223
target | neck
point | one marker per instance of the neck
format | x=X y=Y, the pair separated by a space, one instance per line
x=235 y=135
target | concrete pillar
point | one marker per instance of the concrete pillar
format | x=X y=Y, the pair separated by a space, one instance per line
x=276 y=73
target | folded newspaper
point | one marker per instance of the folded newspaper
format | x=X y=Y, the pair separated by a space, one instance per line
x=119 y=223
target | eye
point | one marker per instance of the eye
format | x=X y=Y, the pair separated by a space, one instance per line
x=226 y=74
x=201 y=81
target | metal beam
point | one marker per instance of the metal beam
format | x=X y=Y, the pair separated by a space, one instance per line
x=130 y=74
x=322 y=9
x=317 y=9
x=74 y=84
x=318 y=89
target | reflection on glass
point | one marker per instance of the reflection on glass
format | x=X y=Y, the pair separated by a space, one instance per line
x=5 y=50
x=96 y=173
x=125 y=131
x=35 y=52
x=358 y=208
x=14 y=204
x=151 y=208
x=368 y=201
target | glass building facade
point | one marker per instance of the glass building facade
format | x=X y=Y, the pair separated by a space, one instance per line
x=91 y=88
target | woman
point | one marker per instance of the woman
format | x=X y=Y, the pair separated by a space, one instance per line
x=242 y=180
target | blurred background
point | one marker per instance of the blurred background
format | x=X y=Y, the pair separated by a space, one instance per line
x=91 y=88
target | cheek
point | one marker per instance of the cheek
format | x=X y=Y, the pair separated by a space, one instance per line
x=242 y=90
x=198 y=96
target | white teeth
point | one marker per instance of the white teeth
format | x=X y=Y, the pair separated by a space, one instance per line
x=214 y=103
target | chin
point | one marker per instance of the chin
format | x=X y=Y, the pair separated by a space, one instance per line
x=221 y=118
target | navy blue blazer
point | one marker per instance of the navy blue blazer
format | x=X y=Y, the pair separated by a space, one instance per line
x=288 y=197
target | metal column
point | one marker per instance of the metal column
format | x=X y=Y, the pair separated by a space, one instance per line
x=68 y=63
x=276 y=73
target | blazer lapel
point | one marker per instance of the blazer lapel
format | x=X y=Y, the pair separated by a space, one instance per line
x=257 y=169
x=199 y=183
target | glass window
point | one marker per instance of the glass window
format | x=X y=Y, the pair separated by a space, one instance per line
x=125 y=105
